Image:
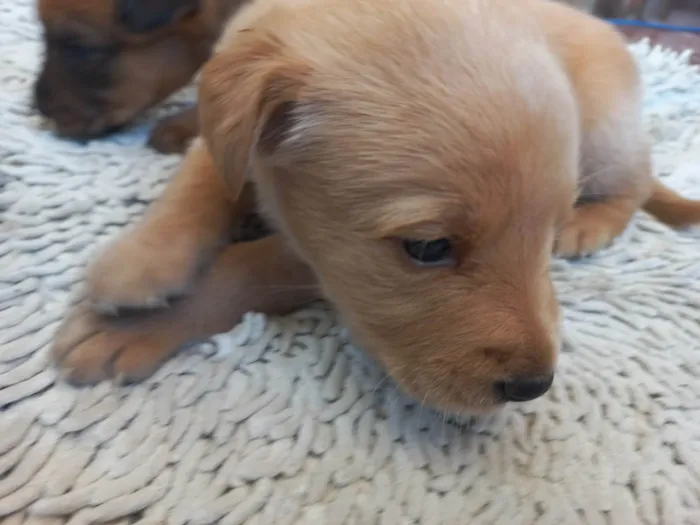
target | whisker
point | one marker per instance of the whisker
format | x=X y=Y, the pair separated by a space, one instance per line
x=287 y=287
x=420 y=411
x=379 y=383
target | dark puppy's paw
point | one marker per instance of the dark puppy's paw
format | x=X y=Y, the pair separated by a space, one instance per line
x=172 y=135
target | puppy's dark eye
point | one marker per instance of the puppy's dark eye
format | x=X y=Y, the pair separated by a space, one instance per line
x=436 y=252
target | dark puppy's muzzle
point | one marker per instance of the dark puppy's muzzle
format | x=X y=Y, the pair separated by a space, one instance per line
x=42 y=93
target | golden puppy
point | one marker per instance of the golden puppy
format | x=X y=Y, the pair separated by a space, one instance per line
x=420 y=161
x=106 y=61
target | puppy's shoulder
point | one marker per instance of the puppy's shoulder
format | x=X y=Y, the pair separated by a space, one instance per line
x=594 y=55
x=583 y=42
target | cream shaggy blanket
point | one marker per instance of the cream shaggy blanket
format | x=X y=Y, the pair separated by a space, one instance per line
x=281 y=422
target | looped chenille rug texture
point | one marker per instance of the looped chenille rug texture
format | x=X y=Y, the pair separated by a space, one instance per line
x=282 y=422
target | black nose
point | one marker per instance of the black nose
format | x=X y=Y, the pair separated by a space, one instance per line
x=41 y=95
x=524 y=389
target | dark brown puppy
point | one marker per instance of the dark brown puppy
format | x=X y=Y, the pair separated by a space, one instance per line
x=106 y=61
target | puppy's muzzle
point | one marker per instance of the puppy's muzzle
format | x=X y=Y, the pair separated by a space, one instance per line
x=42 y=93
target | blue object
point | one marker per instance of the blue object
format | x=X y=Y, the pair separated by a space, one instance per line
x=653 y=25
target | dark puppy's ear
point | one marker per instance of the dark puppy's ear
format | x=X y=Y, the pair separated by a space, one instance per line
x=141 y=16
x=248 y=103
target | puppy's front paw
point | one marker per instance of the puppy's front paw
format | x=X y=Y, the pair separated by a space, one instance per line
x=89 y=348
x=172 y=135
x=584 y=235
x=142 y=270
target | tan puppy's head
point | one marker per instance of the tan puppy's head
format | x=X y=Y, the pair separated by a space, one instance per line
x=407 y=152
x=108 y=60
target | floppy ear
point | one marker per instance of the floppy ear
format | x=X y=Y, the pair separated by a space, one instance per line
x=141 y=16
x=247 y=102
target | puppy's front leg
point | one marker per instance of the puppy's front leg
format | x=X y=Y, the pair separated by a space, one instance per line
x=616 y=176
x=263 y=276
x=173 y=134
x=595 y=225
x=178 y=236
x=616 y=182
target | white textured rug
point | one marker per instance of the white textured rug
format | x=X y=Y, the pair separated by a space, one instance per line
x=281 y=422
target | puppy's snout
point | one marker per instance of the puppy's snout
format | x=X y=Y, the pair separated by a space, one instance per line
x=42 y=92
x=524 y=388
